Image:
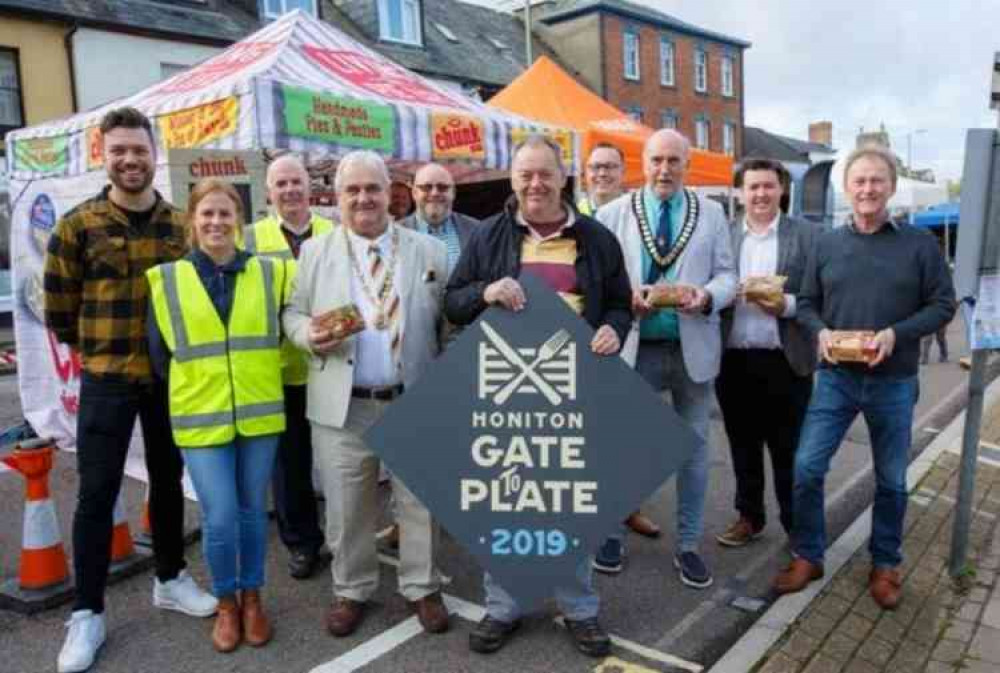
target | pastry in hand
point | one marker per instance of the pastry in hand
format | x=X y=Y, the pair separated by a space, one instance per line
x=769 y=289
x=853 y=345
x=665 y=295
x=342 y=322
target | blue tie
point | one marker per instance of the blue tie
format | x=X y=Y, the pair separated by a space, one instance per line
x=664 y=230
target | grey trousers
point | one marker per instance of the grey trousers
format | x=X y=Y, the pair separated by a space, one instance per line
x=349 y=471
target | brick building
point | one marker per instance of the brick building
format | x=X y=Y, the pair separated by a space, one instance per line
x=662 y=71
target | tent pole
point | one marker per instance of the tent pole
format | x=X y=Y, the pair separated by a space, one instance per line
x=527 y=34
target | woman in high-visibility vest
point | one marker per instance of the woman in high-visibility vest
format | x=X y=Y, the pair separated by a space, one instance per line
x=214 y=333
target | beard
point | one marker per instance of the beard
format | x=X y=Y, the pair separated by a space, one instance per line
x=115 y=176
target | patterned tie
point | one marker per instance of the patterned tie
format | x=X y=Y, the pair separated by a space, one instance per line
x=392 y=313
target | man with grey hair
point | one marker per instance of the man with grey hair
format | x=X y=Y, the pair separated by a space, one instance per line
x=281 y=235
x=673 y=237
x=353 y=379
x=891 y=280
x=538 y=231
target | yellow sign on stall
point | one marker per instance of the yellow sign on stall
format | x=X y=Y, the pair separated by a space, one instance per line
x=200 y=125
x=457 y=136
x=95 y=148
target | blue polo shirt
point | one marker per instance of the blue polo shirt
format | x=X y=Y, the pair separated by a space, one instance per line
x=661 y=325
x=447 y=233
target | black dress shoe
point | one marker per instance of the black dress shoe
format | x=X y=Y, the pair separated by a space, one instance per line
x=304 y=564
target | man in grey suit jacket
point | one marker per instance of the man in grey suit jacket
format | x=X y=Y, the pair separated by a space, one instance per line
x=766 y=376
x=434 y=194
x=396 y=278
x=671 y=235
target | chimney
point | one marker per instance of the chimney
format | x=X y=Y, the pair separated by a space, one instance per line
x=822 y=133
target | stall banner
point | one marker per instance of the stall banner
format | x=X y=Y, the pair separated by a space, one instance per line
x=42 y=155
x=381 y=76
x=95 y=148
x=456 y=136
x=338 y=120
x=235 y=59
x=561 y=137
x=526 y=446
x=197 y=126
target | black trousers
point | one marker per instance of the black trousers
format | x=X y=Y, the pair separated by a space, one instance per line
x=106 y=417
x=763 y=402
x=292 y=484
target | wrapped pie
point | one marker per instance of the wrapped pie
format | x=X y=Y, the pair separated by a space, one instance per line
x=769 y=289
x=852 y=345
x=664 y=295
x=342 y=322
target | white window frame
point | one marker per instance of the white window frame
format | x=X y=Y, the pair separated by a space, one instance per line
x=728 y=68
x=729 y=138
x=700 y=70
x=668 y=58
x=412 y=34
x=630 y=37
x=267 y=13
x=669 y=119
x=702 y=126
x=635 y=112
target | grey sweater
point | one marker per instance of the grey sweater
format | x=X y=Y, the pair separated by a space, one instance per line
x=894 y=278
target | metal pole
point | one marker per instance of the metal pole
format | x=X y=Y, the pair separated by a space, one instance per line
x=967 y=470
x=527 y=35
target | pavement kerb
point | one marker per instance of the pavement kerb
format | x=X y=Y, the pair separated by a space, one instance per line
x=752 y=647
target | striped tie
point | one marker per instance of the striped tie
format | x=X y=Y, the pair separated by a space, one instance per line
x=392 y=314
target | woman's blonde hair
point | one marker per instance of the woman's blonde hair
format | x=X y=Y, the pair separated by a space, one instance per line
x=202 y=189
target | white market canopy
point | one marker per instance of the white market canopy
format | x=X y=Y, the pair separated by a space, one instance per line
x=297 y=84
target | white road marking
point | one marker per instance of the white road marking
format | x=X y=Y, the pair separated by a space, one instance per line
x=370 y=650
x=932 y=431
x=646 y=652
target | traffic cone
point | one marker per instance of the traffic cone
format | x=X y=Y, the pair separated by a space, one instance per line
x=145 y=525
x=43 y=559
x=121 y=536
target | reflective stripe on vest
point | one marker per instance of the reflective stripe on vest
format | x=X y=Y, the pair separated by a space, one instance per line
x=221 y=386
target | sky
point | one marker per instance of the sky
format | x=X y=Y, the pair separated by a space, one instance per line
x=921 y=67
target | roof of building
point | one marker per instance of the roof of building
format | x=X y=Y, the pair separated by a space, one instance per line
x=760 y=143
x=473 y=55
x=216 y=21
x=571 y=9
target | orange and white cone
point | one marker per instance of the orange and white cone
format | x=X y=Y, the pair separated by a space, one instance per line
x=121 y=536
x=43 y=559
x=145 y=525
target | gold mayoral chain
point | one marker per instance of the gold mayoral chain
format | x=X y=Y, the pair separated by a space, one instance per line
x=384 y=292
x=687 y=230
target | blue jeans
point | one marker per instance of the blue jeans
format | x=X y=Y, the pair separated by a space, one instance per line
x=231 y=481
x=661 y=364
x=576 y=600
x=887 y=404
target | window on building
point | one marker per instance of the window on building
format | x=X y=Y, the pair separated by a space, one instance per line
x=168 y=70
x=729 y=138
x=666 y=61
x=669 y=119
x=635 y=112
x=272 y=9
x=728 y=66
x=631 y=54
x=701 y=133
x=11 y=110
x=399 y=21
x=700 y=70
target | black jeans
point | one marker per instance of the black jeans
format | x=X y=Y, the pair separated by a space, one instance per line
x=294 y=496
x=763 y=402
x=104 y=429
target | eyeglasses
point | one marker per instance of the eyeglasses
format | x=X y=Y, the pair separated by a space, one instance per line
x=595 y=168
x=426 y=188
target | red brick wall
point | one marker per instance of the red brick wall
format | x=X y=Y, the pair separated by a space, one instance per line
x=654 y=98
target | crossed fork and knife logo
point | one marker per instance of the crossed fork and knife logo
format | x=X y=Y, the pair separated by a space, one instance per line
x=501 y=378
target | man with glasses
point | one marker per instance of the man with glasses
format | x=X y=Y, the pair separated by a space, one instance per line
x=434 y=195
x=605 y=170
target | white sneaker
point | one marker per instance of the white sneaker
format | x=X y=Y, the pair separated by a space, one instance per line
x=85 y=637
x=184 y=595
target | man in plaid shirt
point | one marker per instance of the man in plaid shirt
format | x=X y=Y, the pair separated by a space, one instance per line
x=96 y=302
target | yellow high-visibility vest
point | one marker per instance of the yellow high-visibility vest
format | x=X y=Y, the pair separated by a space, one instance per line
x=224 y=379
x=264 y=238
x=583 y=205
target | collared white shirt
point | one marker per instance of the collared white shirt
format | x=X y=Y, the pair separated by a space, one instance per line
x=752 y=326
x=570 y=221
x=373 y=365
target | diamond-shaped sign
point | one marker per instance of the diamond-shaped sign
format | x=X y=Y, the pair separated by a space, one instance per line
x=527 y=447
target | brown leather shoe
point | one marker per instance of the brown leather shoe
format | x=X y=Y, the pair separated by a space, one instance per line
x=797 y=575
x=431 y=612
x=642 y=525
x=227 y=632
x=886 y=587
x=256 y=627
x=344 y=617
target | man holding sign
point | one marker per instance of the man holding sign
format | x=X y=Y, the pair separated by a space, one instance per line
x=574 y=255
